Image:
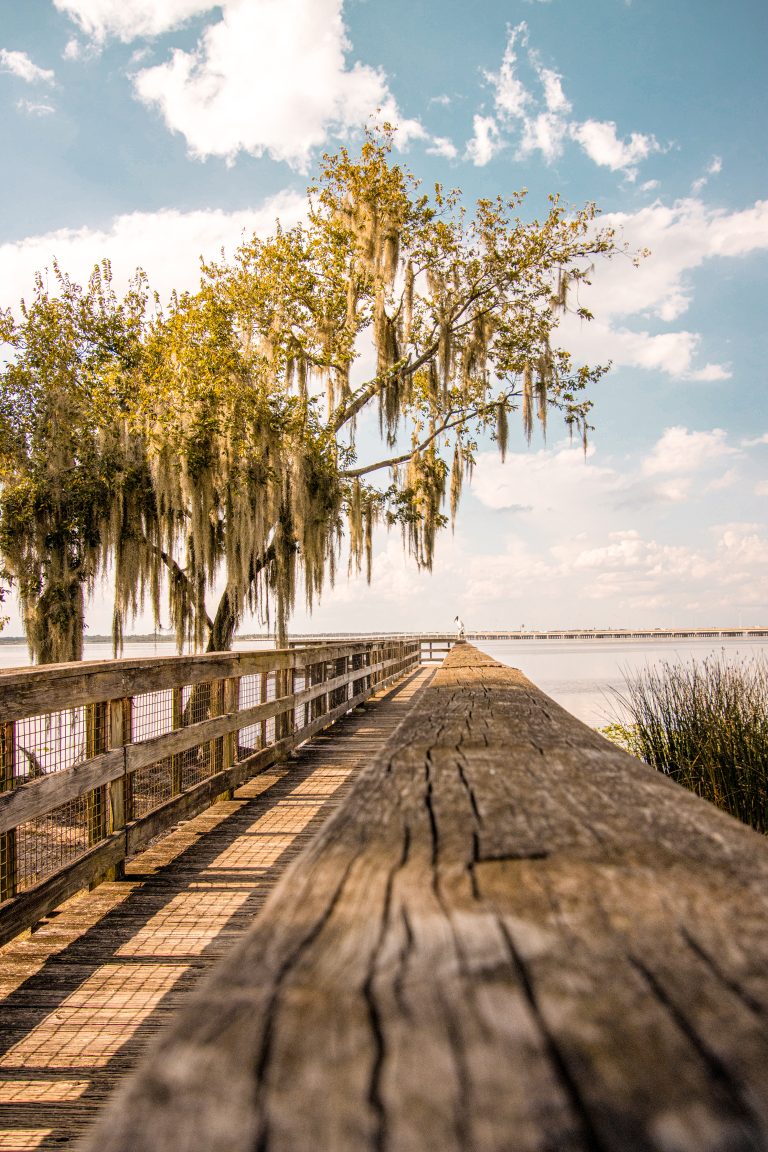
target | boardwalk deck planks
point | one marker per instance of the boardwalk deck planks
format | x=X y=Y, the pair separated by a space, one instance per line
x=512 y=936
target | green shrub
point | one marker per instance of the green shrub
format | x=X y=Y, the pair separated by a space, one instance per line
x=706 y=726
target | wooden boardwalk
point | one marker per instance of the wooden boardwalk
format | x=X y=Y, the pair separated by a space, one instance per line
x=103 y=974
x=511 y=937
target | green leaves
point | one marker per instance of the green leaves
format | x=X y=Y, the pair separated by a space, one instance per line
x=217 y=441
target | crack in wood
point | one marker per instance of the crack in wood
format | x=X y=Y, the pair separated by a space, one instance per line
x=720 y=1074
x=733 y=986
x=261 y=1064
x=592 y=1139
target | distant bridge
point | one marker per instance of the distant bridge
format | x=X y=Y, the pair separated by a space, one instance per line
x=548 y=634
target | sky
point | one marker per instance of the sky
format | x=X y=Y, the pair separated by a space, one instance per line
x=154 y=132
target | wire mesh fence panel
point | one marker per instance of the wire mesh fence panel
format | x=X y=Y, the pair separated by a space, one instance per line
x=196 y=703
x=152 y=715
x=197 y=764
x=151 y=787
x=341 y=694
x=49 y=743
x=248 y=741
x=250 y=690
x=50 y=842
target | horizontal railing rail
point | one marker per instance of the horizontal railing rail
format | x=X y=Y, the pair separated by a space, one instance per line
x=99 y=757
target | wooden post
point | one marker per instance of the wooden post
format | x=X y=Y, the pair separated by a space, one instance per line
x=177 y=721
x=95 y=742
x=224 y=699
x=120 y=793
x=264 y=677
x=290 y=716
x=215 y=708
x=8 y=862
x=231 y=706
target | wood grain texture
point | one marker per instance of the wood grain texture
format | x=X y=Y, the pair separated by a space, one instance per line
x=511 y=936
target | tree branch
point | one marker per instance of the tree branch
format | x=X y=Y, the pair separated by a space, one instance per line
x=179 y=575
x=446 y=426
x=344 y=413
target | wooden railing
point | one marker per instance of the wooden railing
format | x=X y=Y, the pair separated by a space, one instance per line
x=97 y=758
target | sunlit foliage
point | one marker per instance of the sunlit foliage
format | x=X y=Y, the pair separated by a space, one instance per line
x=216 y=440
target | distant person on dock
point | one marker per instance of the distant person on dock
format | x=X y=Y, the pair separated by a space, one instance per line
x=459 y=628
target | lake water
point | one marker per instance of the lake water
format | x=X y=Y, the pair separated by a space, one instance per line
x=580 y=675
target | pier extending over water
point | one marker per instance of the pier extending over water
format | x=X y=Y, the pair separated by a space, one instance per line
x=508 y=933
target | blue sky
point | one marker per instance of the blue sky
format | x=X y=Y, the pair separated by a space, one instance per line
x=153 y=131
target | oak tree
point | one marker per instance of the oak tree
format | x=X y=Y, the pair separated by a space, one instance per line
x=232 y=447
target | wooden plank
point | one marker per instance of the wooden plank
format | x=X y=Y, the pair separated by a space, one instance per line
x=512 y=935
x=30 y=906
x=52 y=687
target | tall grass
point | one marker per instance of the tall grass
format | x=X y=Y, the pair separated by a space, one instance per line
x=706 y=726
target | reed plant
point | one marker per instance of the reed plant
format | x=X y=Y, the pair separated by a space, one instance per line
x=704 y=724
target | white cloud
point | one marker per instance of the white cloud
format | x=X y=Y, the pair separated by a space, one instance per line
x=543 y=133
x=539 y=111
x=682 y=451
x=753 y=441
x=442 y=146
x=601 y=143
x=128 y=19
x=33 y=108
x=671 y=352
x=167 y=245
x=19 y=64
x=744 y=544
x=485 y=142
x=721 y=483
x=714 y=167
x=536 y=483
x=761 y=488
x=682 y=237
x=270 y=76
x=510 y=95
x=553 y=91
x=709 y=373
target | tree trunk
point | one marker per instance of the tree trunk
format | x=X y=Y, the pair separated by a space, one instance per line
x=224 y=625
x=54 y=621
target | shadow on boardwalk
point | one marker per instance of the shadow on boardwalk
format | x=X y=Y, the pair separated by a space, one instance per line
x=85 y=994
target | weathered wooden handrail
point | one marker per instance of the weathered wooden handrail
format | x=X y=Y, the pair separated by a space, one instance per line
x=98 y=757
x=511 y=936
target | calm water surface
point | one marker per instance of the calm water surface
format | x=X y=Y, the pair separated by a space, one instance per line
x=580 y=675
